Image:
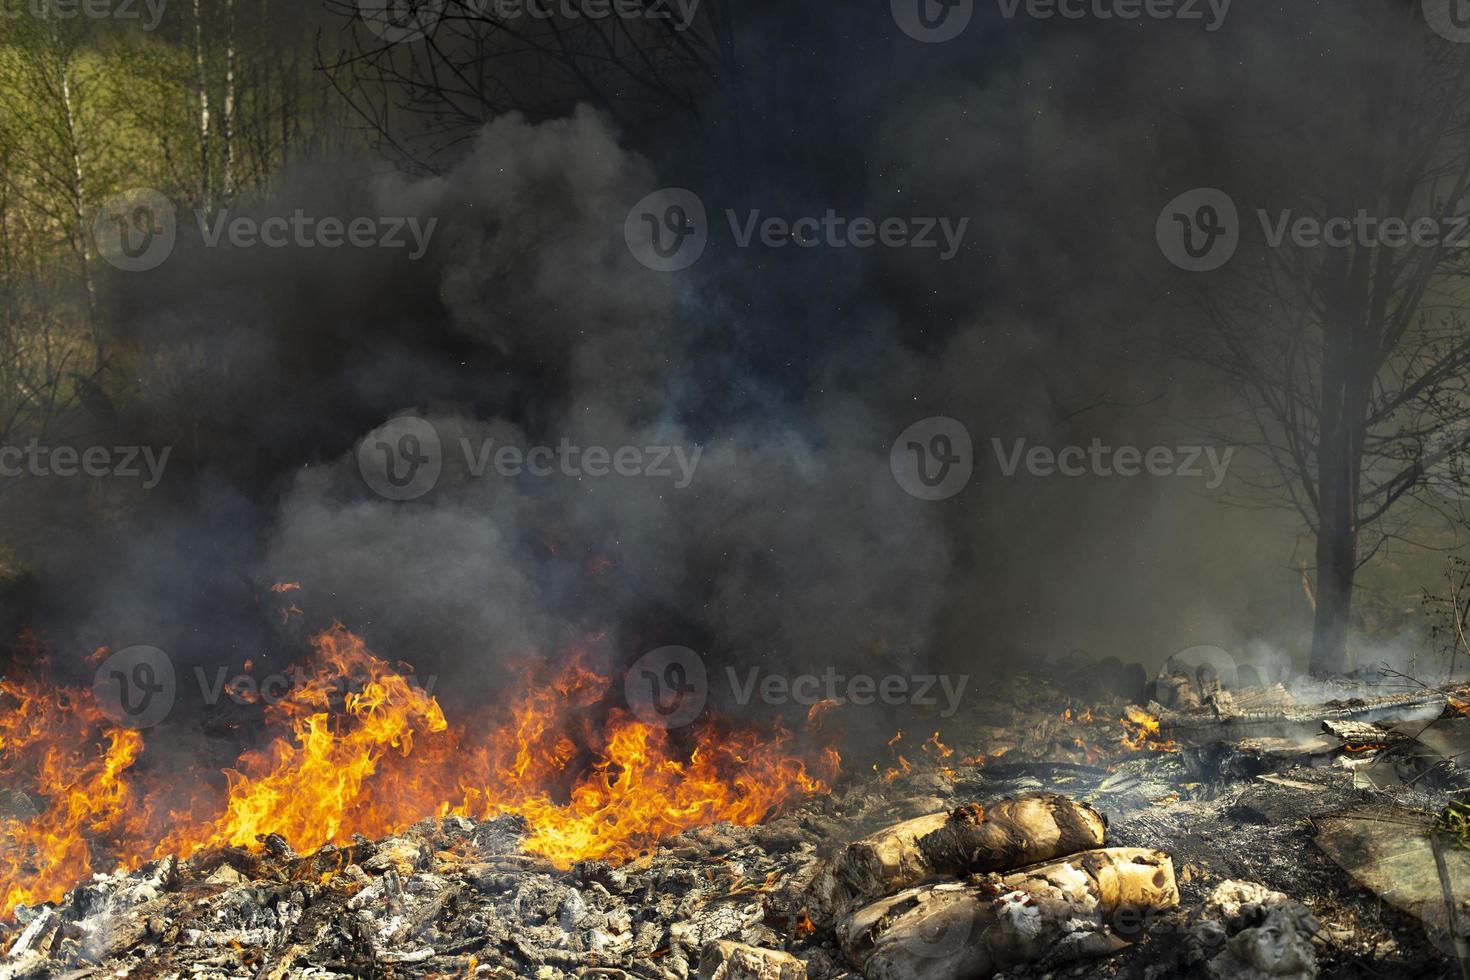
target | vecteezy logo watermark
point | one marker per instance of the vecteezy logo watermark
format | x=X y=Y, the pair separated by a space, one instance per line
x=1450 y=19
x=807 y=690
x=933 y=459
x=404 y=459
x=667 y=688
x=304 y=231
x=123 y=462
x=1199 y=230
x=136 y=687
x=90 y=10
x=136 y=231
x=401 y=21
x=249 y=688
x=933 y=21
x=937 y=21
x=668 y=230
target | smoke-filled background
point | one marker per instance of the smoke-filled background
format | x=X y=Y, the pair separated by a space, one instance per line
x=792 y=370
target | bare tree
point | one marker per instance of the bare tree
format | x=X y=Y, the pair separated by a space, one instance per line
x=1350 y=359
x=423 y=99
x=1450 y=613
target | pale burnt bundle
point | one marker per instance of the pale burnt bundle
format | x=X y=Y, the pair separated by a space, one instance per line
x=1054 y=913
x=967 y=840
x=1028 y=881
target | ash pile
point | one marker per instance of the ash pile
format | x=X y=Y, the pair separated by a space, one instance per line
x=1211 y=832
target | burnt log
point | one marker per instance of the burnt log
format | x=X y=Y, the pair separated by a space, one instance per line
x=1045 y=916
x=970 y=839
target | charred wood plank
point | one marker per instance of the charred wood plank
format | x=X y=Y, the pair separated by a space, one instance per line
x=1215 y=725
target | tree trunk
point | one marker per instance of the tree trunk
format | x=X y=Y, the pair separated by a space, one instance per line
x=1345 y=382
x=77 y=190
x=227 y=118
x=202 y=101
x=1337 y=560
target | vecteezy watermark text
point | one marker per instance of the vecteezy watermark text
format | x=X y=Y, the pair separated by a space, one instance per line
x=251 y=688
x=398 y=21
x=304 y=231
x=670 y=687
x=138 y=687
x=138 y=230
x=937 y=21
x=567 y=459
x=833 y=230
x=123 y=462
x=807 y=690
x=1211 y=13
x=1200 y=230
x=669 y=230
x=1099 y=459
x=934 y=459
x=90 y=10
x=679 y=14
x=404 y=459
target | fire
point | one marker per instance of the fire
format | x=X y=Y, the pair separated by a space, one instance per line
x=937 y=749
x=1358 y=748
x=816 y=716
x=1142 y=732
x=360 y=750
x=43 y=744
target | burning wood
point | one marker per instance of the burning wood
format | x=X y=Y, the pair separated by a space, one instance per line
x=1143 y=732
x=1046 y=915
x=360 y=750
x=1017 y=882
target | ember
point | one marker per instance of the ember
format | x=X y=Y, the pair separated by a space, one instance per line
x=1144 y=733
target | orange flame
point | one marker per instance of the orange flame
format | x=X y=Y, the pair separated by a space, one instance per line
x=934 y=747
x=1142 y=732
x=44 y=744
x=361 y=750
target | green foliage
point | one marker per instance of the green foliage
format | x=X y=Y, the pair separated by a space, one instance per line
x=212 y=103
x=1454 y=823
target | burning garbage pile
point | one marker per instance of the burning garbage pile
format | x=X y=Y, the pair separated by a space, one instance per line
x=1224 y=833
x=358 y=751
